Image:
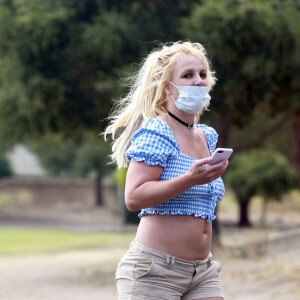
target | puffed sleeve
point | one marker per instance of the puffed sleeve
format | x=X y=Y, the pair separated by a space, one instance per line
x=211 y=137
x=153 y=143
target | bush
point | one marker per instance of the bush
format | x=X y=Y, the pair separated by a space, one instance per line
x=5 y=167
x=260 y=172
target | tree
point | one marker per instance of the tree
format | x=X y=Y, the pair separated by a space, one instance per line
x=62 y=157
x=248 y=43
x=61 y=61
x=262 y=172
x=287 y=96
x=57 y=62
x=92 y=160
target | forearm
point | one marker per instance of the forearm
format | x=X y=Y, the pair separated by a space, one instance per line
x=143 y=189
x=152 y=193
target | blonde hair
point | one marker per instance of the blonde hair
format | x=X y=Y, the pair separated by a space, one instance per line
x=146 y=96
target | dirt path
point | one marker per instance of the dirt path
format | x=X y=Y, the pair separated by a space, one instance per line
x=75 y=275
x=89 y=274
x=262 y=278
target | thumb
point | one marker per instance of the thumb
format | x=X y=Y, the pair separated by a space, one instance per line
x=203 y=161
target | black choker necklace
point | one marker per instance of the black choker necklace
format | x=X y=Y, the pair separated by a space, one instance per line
x=188 y=125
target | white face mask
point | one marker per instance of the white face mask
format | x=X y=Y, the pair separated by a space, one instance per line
x=191 y=99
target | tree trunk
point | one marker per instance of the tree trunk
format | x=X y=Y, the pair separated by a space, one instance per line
x=223 y=127
x=99 y=193
x=295 y=155
x=244 y=216
x=216 y=230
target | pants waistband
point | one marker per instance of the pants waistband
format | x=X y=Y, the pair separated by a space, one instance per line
x=169 y=259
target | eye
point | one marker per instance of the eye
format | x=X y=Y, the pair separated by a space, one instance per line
x=187 y=75
x=203 y=75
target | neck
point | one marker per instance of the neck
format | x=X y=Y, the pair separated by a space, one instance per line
x=188 y=125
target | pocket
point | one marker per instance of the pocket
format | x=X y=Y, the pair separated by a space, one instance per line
x=133 y=266
x=142 y=268
x=126 y=266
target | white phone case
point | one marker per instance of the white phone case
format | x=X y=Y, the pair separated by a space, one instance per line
x=221 y=154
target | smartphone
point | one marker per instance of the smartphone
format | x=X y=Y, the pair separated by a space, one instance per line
x=221 y=154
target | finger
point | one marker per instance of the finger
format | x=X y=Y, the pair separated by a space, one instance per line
x=219 y=169
x=219 y=165
x=225 y=165
x=223 y=169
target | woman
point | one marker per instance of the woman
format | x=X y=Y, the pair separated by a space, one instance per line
x=169 y=177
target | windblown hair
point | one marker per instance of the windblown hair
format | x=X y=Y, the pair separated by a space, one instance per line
x=146 y=96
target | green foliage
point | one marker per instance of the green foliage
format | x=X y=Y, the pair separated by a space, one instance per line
x=120 y=177
x=156 y=20
x=61 y=64
x=62 y=157
x=55 y=154
x=261 y=172
x=114 y=35
x=253 y=50
x=92 y=158
x=252 y=135
x=61 y=60
x=5 y=167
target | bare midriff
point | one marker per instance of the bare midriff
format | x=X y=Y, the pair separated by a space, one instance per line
x=185 y=237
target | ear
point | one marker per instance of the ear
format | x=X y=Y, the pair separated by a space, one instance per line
x=167 y=88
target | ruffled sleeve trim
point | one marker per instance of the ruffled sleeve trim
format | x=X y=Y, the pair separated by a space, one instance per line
x=153 y=143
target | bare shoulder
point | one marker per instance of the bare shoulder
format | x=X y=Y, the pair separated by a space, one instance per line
x=200 y=132
x=164 y=118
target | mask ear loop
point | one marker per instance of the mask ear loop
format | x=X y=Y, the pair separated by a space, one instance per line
x=176 y=88
x=173 y=84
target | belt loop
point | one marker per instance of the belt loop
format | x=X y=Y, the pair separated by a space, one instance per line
x=173 y=260
x=209 y=262
x=168 y=259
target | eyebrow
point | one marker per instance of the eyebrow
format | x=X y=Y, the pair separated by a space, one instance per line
x=192 y=70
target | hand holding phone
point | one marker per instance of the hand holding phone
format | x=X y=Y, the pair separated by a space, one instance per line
x=221 y=154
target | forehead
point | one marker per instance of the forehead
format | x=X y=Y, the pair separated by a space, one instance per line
x=188 y=62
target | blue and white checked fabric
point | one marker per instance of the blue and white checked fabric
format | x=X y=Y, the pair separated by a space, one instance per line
x=155 y=144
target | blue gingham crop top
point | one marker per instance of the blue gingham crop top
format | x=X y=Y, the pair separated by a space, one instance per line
x=155 y=144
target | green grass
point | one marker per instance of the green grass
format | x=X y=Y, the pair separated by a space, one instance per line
x=25 y=241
